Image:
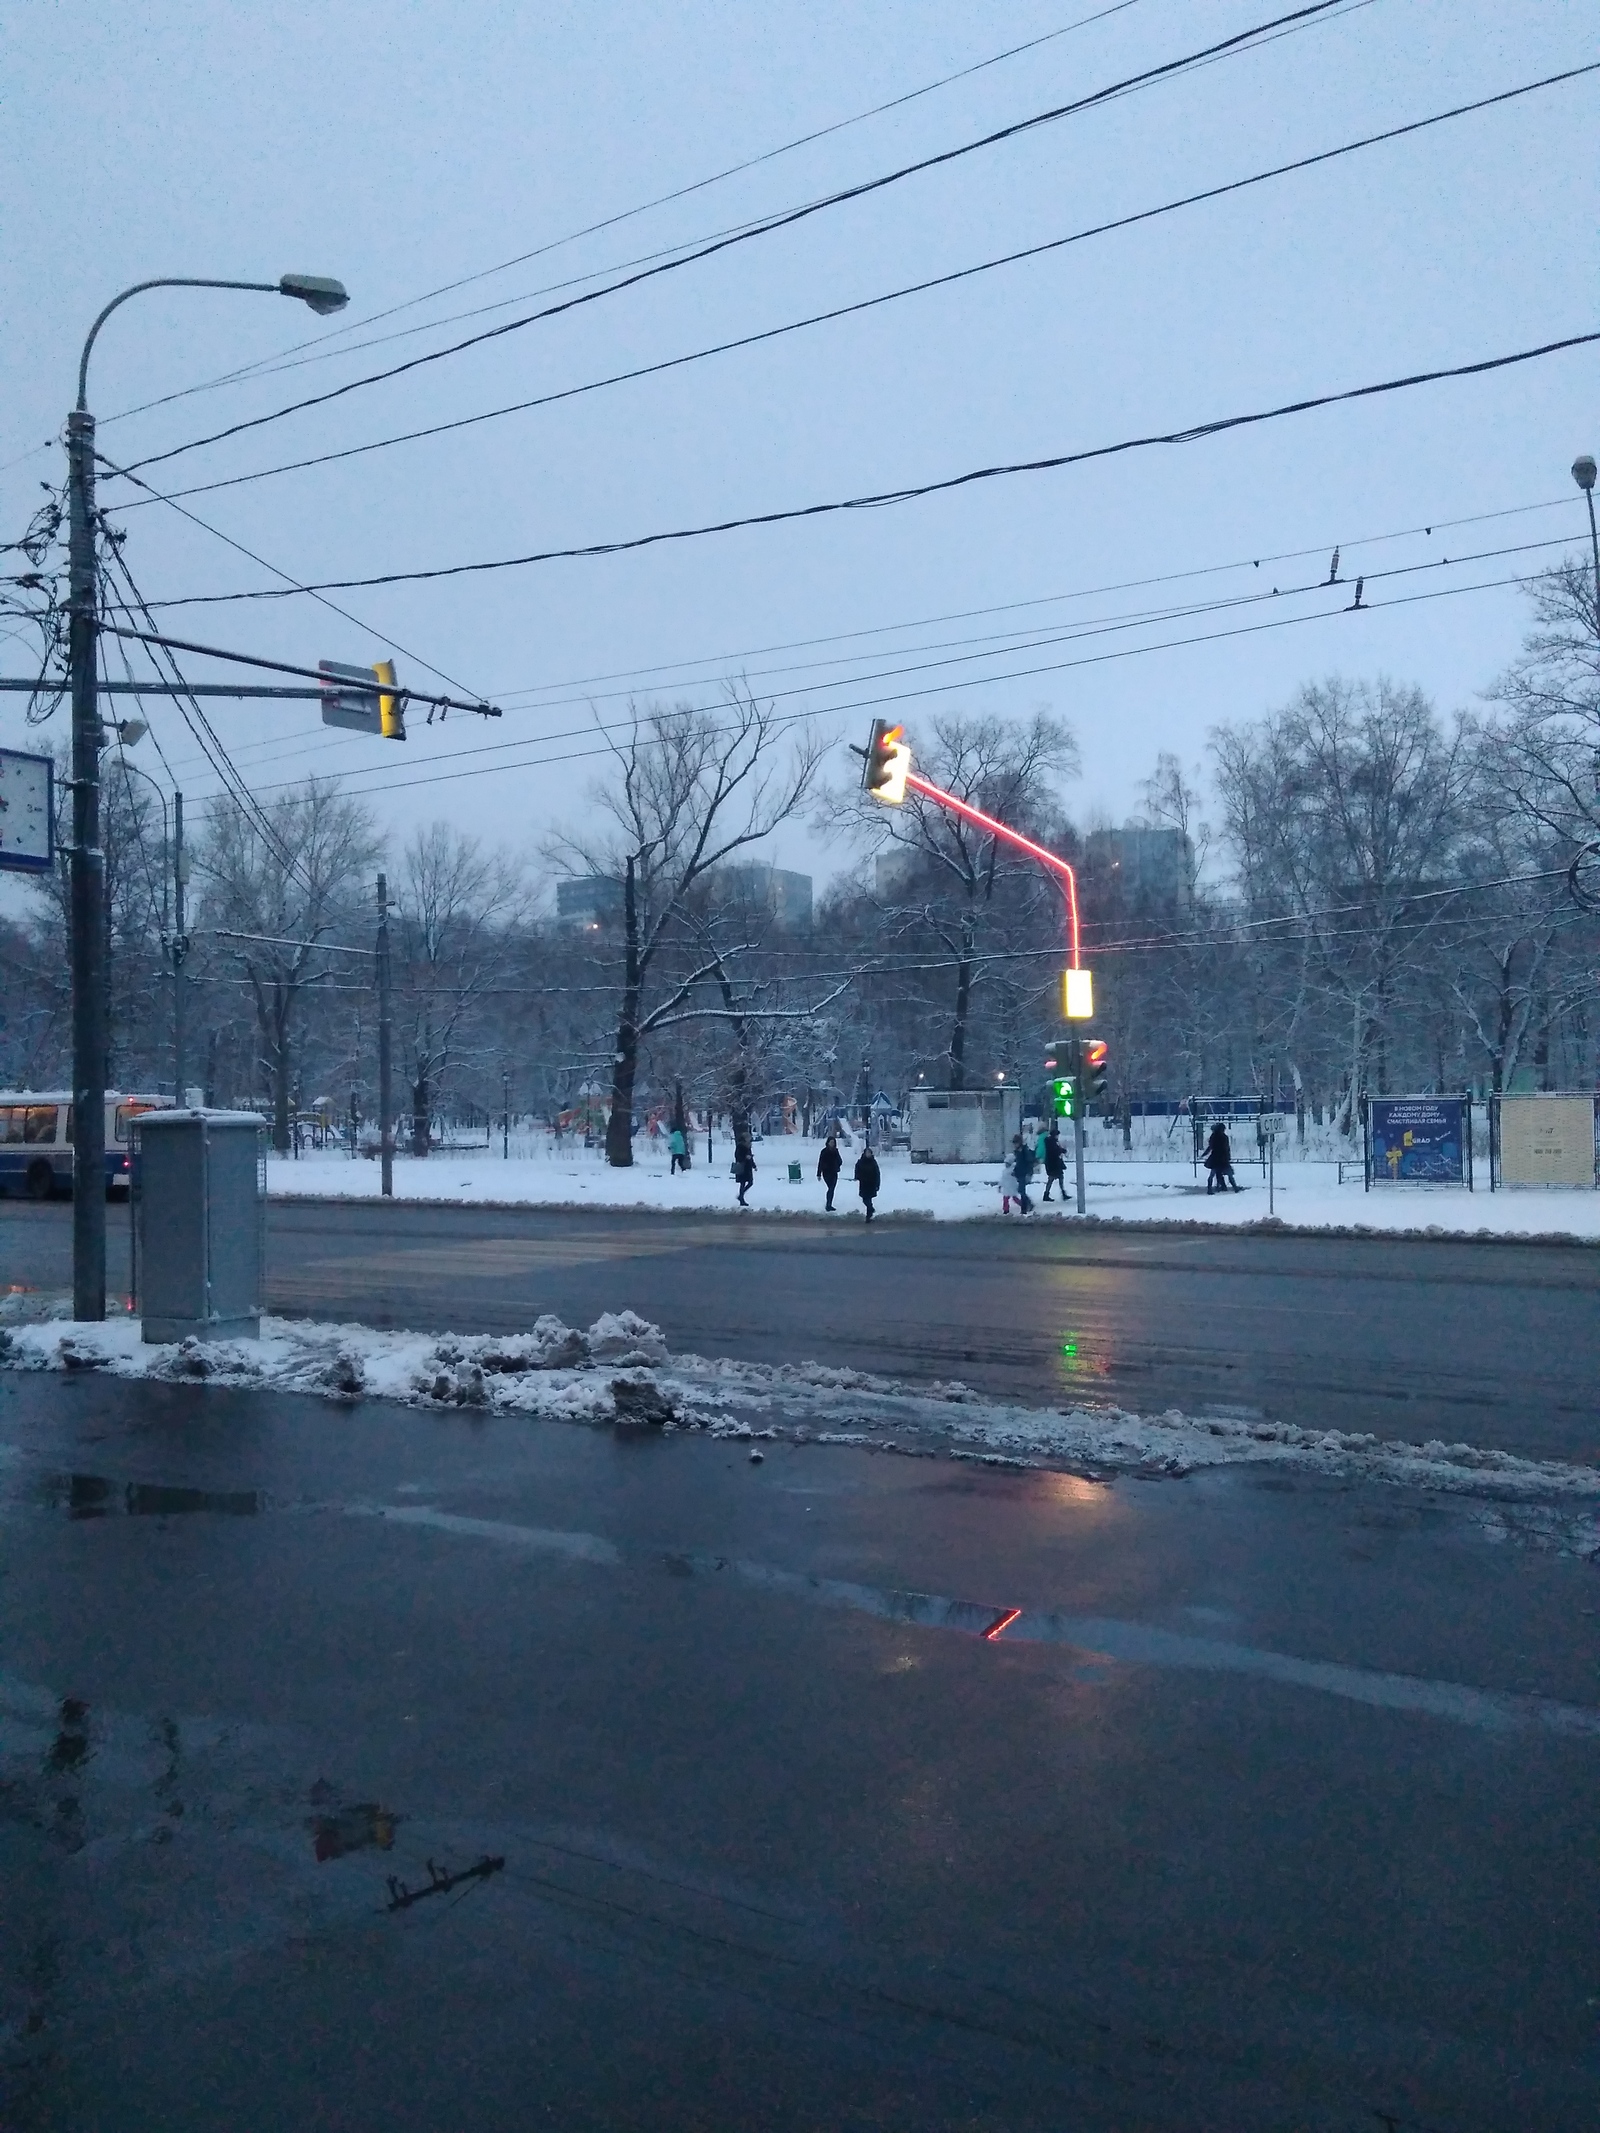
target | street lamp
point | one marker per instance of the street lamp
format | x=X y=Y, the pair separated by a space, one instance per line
x=1583 y=471
x=87 y=877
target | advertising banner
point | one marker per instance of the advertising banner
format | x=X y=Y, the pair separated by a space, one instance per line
x=1547 y=1140
x=1417 y=1140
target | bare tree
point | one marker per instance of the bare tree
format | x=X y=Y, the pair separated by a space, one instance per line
x=689 y=789
x=457 y=903
x=1551 y=739
x=276 y=887
x=1344 y=812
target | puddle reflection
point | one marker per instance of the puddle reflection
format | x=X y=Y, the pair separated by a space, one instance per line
x=93 y=1496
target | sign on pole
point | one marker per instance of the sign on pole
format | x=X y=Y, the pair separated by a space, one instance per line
x=27 y=813
x=361 y=710
x=1419 y=1140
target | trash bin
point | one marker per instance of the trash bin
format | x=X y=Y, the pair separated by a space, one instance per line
x=199 y=1189
x=794 y=1173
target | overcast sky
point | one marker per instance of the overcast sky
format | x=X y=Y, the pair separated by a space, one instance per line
x=406 y=147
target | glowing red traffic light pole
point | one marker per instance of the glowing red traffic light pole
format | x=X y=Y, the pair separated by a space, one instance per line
x=889 y=777
x=1058 y=866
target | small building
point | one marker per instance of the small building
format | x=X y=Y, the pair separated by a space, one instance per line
x=963 y=1125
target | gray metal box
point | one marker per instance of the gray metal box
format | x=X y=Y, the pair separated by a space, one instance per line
x=199 y=1214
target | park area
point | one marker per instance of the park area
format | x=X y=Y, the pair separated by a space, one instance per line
x=1154 y=1181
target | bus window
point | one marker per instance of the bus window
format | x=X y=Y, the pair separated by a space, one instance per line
x=40 y=1129
x=11 y=1123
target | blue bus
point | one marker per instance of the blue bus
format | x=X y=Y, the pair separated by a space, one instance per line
x=36 y=1139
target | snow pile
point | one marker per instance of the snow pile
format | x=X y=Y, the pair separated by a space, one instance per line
x=619 y=1372
x=1307 y=1195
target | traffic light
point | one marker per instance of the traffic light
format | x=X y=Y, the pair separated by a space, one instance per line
x=1064 y=1096
x=888 y=763
x=1096 y=1060
x=391 y=709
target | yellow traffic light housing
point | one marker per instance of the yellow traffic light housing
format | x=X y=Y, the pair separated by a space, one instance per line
x=391 y=709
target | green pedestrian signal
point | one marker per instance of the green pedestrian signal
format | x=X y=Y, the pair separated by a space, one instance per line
x=1064 y=1096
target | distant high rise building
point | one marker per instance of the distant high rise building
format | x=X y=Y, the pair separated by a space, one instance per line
x=782 y=896
x=1144 y=865
x=893 y=872
x=590 y=902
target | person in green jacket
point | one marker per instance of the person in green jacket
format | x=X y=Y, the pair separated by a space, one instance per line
x=678 y=1148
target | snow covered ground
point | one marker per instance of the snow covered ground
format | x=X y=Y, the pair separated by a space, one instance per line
x=1307 y=1194
x=619 y=1373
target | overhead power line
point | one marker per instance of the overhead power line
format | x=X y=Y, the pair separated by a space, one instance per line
x=1074 y=633
x=877 y=499
x=434 y=777
x=332 y=606
x=866 y=303
x=322 y=342
x=278 y=748
x=786 y=219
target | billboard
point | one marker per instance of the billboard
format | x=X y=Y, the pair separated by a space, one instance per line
x=1418 y=1140
x=1547 y=1140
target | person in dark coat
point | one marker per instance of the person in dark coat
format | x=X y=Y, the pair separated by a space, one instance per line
x=744 y=1169
x=1022 y=1167
x=1219 y=1161
x=1055 y=1163
x=829 y=1164
x=869 y=1178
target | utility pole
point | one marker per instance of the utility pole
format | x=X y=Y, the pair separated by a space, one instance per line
x=385 y=1032
x=87 y=889
x=1077 y=1119
x=180 y=946
x=505 y=1117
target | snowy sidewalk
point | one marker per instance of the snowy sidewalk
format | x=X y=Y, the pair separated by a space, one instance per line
x=1308 y=1195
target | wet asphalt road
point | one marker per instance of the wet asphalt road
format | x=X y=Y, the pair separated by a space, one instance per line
x=1492 y=1344
x=773 y=1858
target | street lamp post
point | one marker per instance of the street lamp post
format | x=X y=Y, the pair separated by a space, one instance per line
x=87 y=876
x=1583 y=472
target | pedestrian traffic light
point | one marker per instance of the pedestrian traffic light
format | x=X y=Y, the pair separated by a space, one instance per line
x=888 y=763
x=1064 y=1096
x=1096 y=1061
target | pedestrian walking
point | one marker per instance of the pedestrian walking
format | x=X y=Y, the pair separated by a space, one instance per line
x=1055 y=1162
x=829 y=1164
x=1022 y=1167
x=869 y=1179
x=678 y=1149
x=1219 y=1161
x=744 y=1169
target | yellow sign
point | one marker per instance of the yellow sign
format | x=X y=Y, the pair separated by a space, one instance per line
x=1077 y=995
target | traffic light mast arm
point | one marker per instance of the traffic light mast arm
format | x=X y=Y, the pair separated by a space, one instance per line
x=969 y=813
